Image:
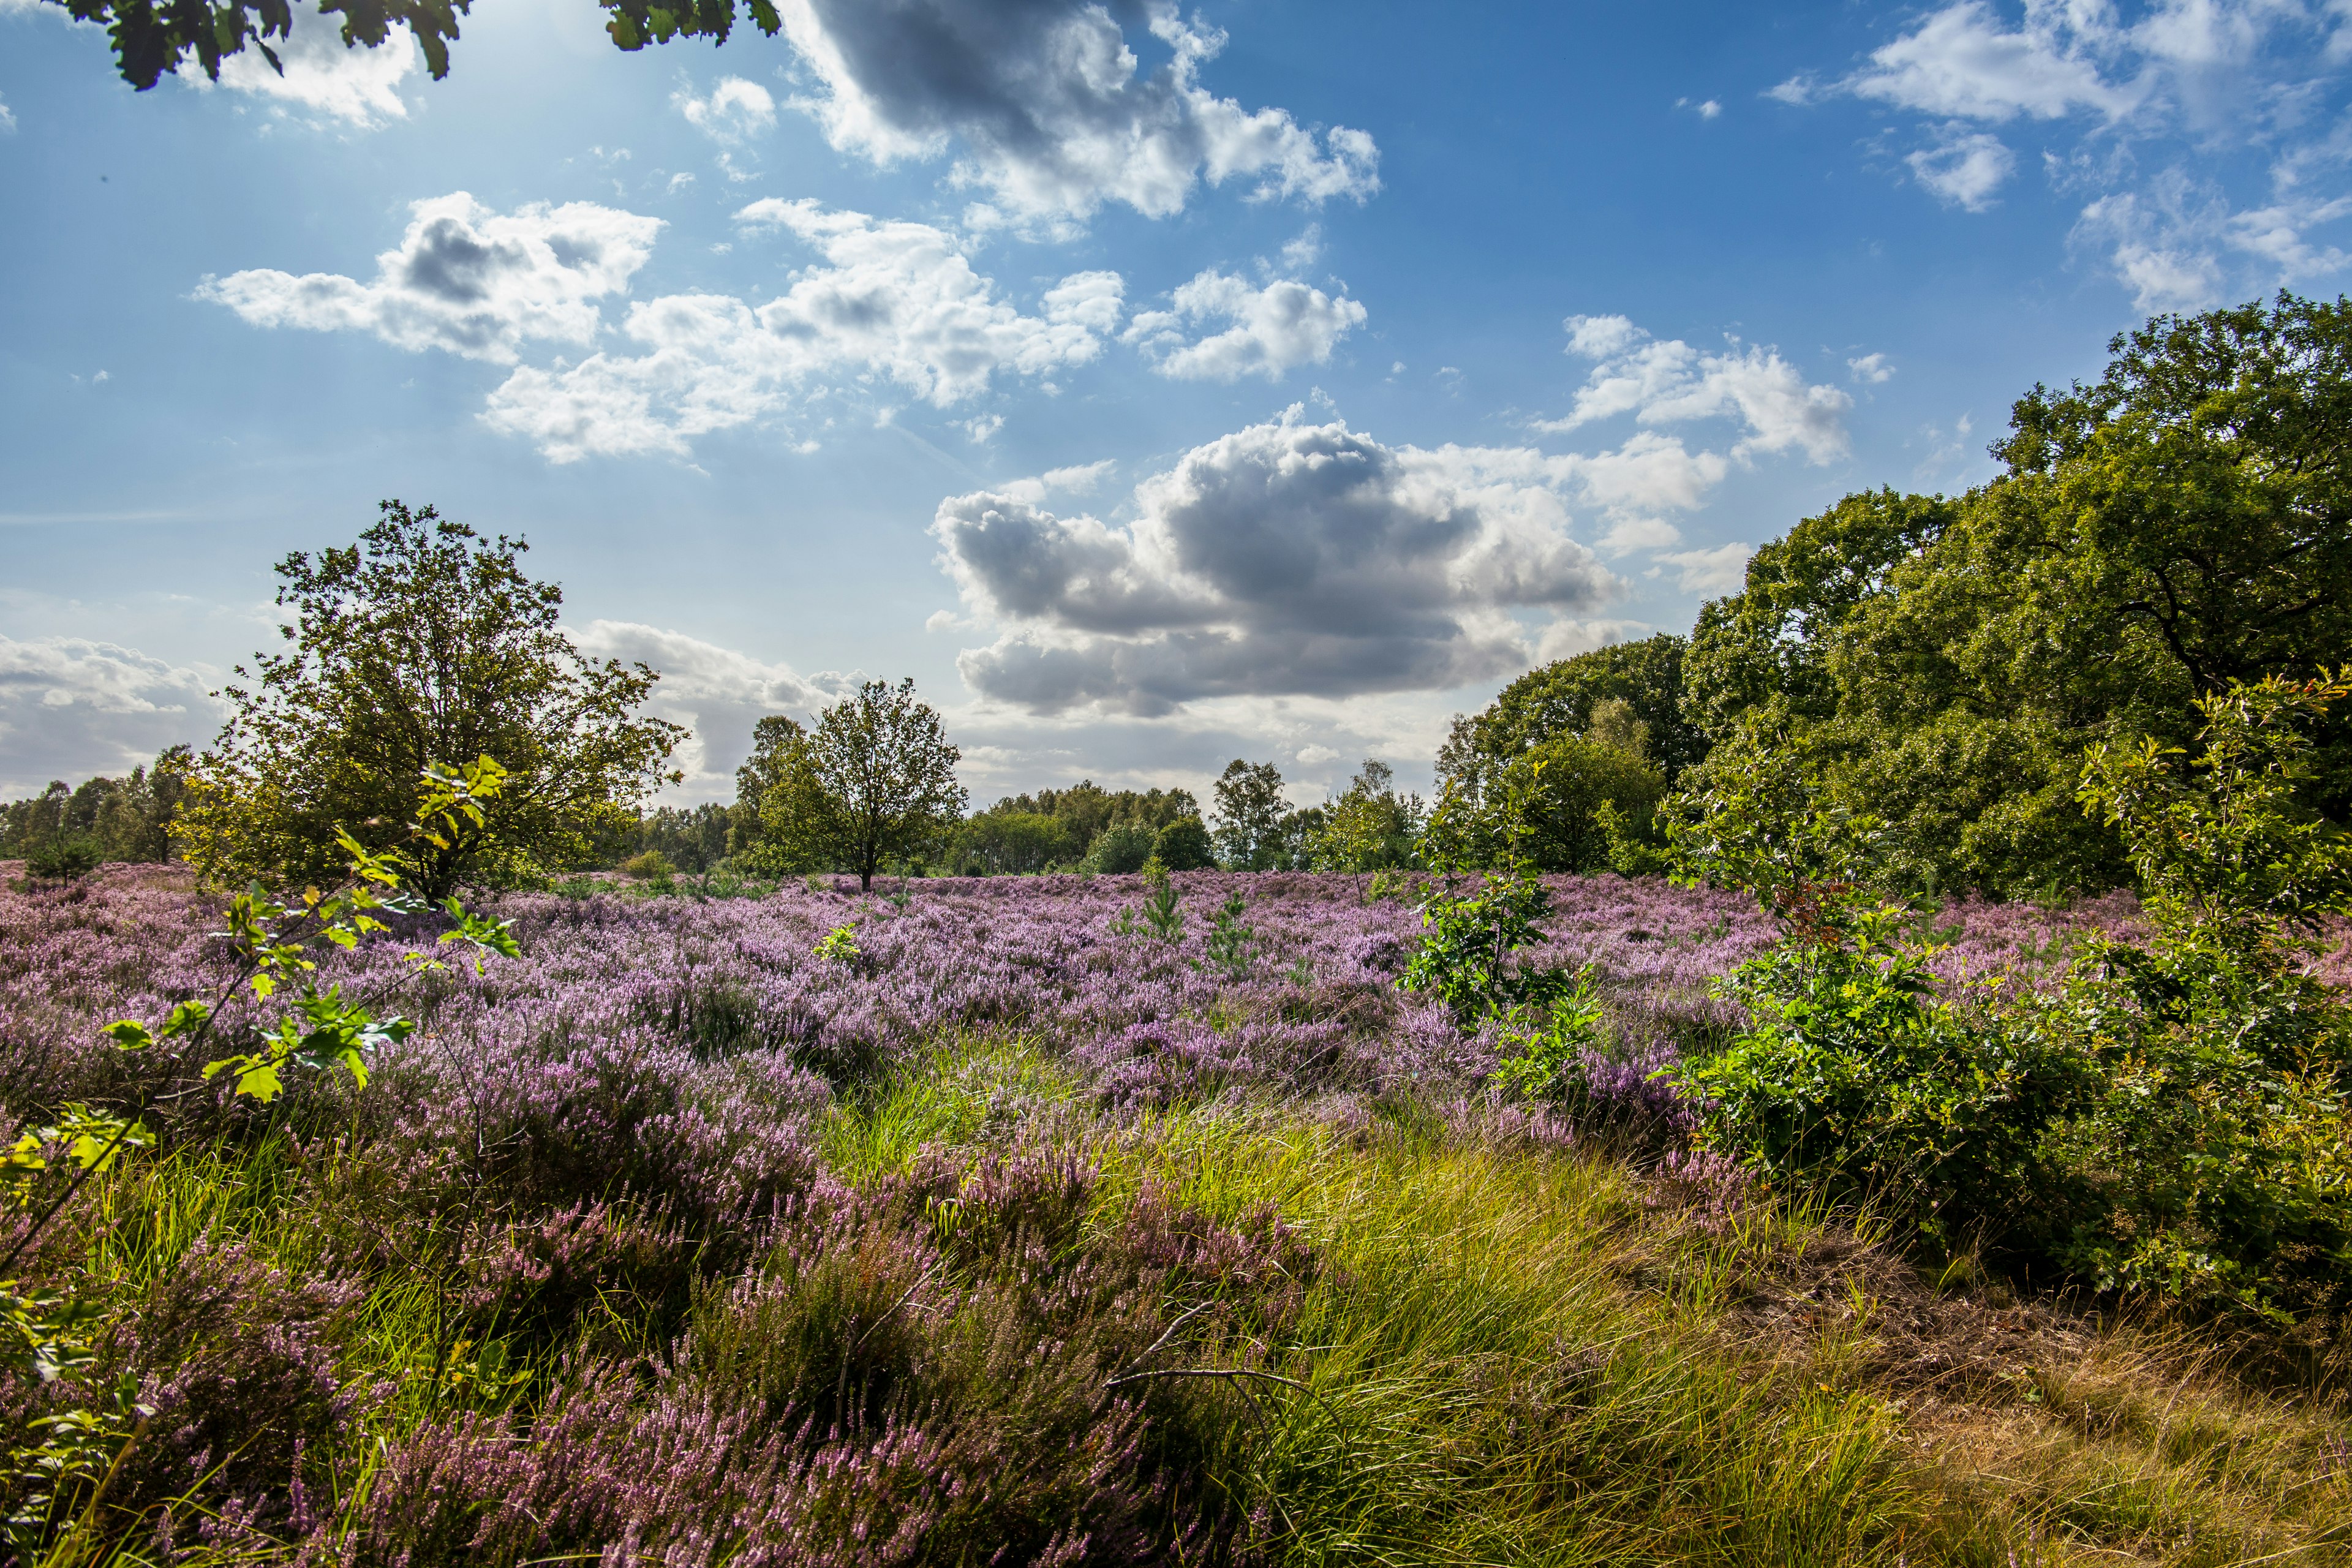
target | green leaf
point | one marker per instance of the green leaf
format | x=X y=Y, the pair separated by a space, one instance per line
x=132 y=1035
x=261 y=1080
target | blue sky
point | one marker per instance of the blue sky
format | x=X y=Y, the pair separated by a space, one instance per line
x=1272 y=379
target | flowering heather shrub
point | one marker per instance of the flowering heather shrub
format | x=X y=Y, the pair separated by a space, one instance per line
x=908 y=1377
x=236 y=1360
x=682 y=1049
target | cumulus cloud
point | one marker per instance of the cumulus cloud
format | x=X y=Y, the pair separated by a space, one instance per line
x=1962 y=61
x=70 y=708
x=1964 y=170
x=463 y=279
x=2172 y=96
x=1049 y=108
x=716 y=692
x=2179 y=244
x=7 y=118
x=732 y=113
x=1287 y=558
x=1665 y=381
x=1274 y=329
x=899 y=300
x=1871 y=369
x=357 y=88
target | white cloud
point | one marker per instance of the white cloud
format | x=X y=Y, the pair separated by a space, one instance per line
x=731 y=113
x=2172 y=107
x=716 y=692
x=1964 y=169
x=2179 y=244
x=1666 y=381
x=1305 y=251
x=1287 y=558
x=1078 y=480
x=1715 y=571
x=1871 y=369
x=70 y=708
x=7 y=117
x=899 y=300
x=1274 y=327
x=464 y=279
x=358 y=87
x=1049 y=110
x=1962 y=62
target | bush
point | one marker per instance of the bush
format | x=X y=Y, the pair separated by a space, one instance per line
x=66 y=858
x=2174 y=1120
x=1183 y=846
x=1856 y=1076
x=653 y=866
x=1121 y=848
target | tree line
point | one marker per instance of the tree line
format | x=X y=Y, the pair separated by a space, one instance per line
x=1934 y=665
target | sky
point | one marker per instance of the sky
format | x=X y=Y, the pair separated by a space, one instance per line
x=1272 y=379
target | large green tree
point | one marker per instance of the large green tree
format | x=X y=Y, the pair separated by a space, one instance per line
x=150 y=39
x=423 y=643
x=2182 y=523
x=1559 y=699
x=872 y=783
x=1250 y=816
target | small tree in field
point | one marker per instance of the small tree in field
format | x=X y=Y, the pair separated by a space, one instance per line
x=874 y=781
x=421 y=642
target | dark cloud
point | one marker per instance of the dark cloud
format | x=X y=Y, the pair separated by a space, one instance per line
x=1050 y=108
x=1287 y=558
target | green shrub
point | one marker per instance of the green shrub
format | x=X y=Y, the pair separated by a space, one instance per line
x=1121 y=848
x=1853 y=1074
x=2216 y=1162
x=2173 y=1122
x=1544 y=1049
x=653 y=866
x=1183 y=846
x=67 y=858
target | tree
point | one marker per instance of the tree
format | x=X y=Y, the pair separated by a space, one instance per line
x=1646 y=678
x=1183 y=846
x=1249 y=815
x=772 y=741
x=2181 y=524
x=1769 y=643
x=1370 y=827
x=114 y=819
x=1552 y=807
x=149 y=39
x=873 y=781
x=422 y=645
x=1014 y=843
x=1121 y=848
x=1085 y=809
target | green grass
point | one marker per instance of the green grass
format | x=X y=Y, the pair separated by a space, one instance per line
x=1504 y=1355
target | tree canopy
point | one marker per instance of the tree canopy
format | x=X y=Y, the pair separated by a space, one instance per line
x=2180 y=524
x=423 y=643
x=872 y=783
x=150 y=39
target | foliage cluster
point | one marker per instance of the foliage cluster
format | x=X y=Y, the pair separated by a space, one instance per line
x=2171 y=1120
x=1938 y=663
x=422 y=641
x=871 y=784
x=102 y=819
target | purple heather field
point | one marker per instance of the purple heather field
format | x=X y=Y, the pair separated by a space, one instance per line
x=719 y=1013
x=629 y=1118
